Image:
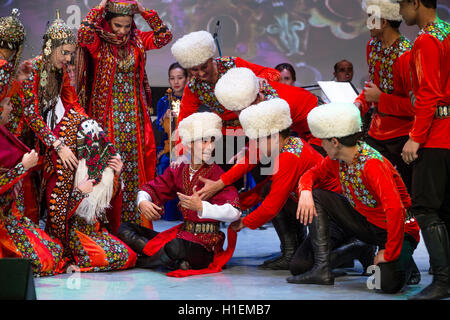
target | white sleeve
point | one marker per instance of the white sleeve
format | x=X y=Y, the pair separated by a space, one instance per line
x=142 y=195
x=224 y=213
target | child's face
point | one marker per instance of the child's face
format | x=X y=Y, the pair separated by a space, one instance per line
x=201 y=150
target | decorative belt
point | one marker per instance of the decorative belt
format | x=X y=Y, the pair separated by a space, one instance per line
x=232 y=123
x=442 y=112
x=202 y=227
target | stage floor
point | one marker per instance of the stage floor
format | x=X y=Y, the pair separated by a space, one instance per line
x=241 y=280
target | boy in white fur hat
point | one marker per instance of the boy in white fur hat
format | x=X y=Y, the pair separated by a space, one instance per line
x=389 y=86
x=267 y=125
x=198 y=239
x=373 y=206
x=195 y=52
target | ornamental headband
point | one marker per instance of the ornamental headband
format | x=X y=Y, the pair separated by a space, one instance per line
x=125 y=7
x=12 y=32
x=57 y=35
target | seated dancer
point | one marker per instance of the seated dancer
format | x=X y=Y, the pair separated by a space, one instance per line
x=167 y=111
x=374 y=205
x=19 y=236
x=76 y=208
x=195 y=52
x=196 y=243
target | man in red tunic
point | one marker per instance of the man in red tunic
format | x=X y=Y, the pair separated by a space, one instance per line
x=373 y=206
x=195 y=52
x=196 y=244
x=428 y=145
x=387 y=93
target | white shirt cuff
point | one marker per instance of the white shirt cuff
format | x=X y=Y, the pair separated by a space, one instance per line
x=224 y=213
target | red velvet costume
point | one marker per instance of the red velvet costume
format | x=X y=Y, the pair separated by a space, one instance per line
x=199 y=92
x=295 y=158
x=120 y=97
x=374 y=189
x=389 y=70
x=430 y=72
x=165 y=187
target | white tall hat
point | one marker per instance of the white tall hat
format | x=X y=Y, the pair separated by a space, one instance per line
x=237 y=89
x=200 y=125
x=334 y=120
x=386 y=9
x=194 y=49
x=265 y=118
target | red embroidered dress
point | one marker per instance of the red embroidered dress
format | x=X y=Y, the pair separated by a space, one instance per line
x=374 y=189
x=117 y=101
x=430 y=70
x=199 y=92
x=389 y=70
x=295 y=158
x=19 y=236
x=8 y=85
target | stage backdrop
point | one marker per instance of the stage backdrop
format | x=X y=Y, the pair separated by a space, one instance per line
x=312 y=35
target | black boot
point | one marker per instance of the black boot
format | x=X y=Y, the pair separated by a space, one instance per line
x=355 y=249
x=320 y=240
x=135 y=236
x=436 y=239
x=414 y=274
x=291 y=234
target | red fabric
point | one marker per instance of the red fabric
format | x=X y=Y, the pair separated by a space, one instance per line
x=430 y=70
x=12 y=86
x=221 y=257
x=386 y=186
x=384 y=126
x=289 y=168
x=301 y=102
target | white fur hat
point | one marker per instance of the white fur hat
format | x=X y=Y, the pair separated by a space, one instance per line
x=237 y=89
x=200 y=125
x=386 y=9
x=194 y=49
x=334 y=120
x=266 y=118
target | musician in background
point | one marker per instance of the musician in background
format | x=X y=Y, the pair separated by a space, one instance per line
x=167 y=111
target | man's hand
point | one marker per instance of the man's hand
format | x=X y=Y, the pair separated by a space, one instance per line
x=409 y=152
x=24 y=70
x=379 y=258
x=306 y=209
x=237 y=225
x=372 y=92
x=116 y=164
x=210 y=188
x=193 y=202
x=150 y=210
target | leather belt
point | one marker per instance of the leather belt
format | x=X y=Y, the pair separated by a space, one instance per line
x=442 y=112
x=202 y=227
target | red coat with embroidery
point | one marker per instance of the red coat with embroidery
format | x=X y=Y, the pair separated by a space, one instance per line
x=295 y=158
x=374 y=189
x=389 y=71
x=8 y=85
x=199 y=92
x=430 y=70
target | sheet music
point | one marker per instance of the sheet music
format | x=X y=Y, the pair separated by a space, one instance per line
x=338 y=91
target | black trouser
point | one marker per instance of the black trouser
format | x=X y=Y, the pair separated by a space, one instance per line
x=392 y=149
x=395 y=274
x=177 y=249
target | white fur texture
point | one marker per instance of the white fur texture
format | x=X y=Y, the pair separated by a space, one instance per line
x=237 y=89
x=200 y=125
x=266 y=118
x=385 y=9
x=194 y=49
x=99 y=199
x=334 y=120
